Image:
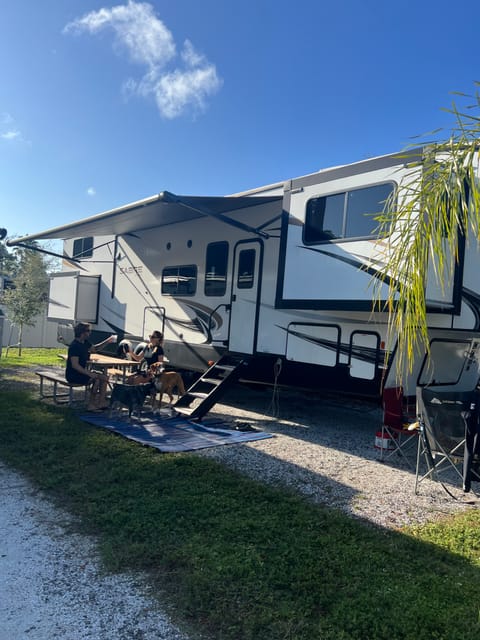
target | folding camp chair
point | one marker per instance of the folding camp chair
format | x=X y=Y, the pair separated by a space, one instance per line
x=471 y=460
x=398 y=426
x=444 y=417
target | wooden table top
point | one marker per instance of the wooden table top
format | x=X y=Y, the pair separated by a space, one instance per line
x=110 y=361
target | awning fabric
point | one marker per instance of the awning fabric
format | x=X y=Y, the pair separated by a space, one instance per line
x=157 y=211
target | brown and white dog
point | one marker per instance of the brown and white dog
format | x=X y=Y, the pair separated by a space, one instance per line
x=165 y=382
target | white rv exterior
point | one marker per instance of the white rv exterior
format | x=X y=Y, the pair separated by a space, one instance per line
x=283 y=274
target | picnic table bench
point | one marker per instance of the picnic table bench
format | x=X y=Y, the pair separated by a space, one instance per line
x=56 y=379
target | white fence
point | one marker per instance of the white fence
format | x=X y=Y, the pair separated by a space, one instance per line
x=43 y=334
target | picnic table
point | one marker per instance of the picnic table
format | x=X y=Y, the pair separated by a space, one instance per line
x=116 y=367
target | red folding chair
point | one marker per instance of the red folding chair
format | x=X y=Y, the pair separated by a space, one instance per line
x=399 y=426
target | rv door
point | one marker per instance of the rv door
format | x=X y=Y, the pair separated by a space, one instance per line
x=245 y=296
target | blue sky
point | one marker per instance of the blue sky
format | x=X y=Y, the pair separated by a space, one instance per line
x=104 y=103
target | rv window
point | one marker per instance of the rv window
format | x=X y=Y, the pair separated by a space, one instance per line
x=83 y=248
x=349 y=214
x=445 y=363
x=179 y=281
x=216 y=269
x=246 y=269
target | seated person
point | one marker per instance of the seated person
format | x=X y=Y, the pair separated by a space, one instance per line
x=76 y=370
x=151 y=353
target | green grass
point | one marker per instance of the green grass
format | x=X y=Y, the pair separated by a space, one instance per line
x=239 y=560
x=30 y=357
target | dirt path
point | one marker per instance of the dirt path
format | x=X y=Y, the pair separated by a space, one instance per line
x=51 y=583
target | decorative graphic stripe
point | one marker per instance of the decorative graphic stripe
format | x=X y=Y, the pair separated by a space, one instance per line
x=354 y=262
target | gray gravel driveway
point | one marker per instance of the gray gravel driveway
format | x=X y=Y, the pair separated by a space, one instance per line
x=51 y=583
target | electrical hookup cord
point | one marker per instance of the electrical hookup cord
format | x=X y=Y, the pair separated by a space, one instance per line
x=274 y=406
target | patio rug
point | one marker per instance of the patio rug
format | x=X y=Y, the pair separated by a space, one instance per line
x=172 y=434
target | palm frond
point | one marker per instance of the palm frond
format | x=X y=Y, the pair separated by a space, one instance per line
x=438 y=201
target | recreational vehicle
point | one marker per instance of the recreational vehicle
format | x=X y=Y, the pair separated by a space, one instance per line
x=279 y=277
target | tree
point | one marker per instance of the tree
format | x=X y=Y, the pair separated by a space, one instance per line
x=29 y=296
x=423 y=228
x=7 y=261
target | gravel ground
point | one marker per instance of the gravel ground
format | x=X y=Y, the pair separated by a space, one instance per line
x=323 y=447
x=51 y=583
x=51 y=580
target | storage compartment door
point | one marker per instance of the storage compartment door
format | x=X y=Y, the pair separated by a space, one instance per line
x=364 y=354
x=73 y=297
x=313 y=343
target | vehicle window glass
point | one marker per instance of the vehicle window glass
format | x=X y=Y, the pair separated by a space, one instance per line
x=363 y=206
x=350 y=214
x=216 y=269
x=445 y=362
x=83 y=248
x=324 y=220
x=179 y=281
x=246 y=269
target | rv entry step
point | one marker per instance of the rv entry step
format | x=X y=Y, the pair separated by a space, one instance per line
x=210 y=387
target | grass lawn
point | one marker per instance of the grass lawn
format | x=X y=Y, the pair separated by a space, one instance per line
x=240 y=560
x=31 y=357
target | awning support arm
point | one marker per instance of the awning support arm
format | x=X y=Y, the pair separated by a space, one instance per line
x=62 y=256
x=40 y=250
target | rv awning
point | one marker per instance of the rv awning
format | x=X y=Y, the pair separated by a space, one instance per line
x=157 y=211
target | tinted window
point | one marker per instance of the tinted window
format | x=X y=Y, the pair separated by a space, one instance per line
x=363 y=206
x=179 y=281
x=350 y=214
x=216 y=269
x=324 y=220
x=246 y=269
x=83 y=248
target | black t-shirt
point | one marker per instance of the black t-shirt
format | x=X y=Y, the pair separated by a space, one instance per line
x=81 y=350
x=151 y=354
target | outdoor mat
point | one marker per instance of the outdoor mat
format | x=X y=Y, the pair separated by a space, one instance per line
x=172 y=434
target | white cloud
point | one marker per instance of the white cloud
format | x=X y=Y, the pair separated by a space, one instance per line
x=8 y=130
x=190 y=56
x=91 y=191
x=175 y=91
x=11 y=135
x=149 y=42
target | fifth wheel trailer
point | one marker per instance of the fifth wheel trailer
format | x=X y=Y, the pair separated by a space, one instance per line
x=281 y=275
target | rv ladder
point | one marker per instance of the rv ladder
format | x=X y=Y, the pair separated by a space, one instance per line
x=210 y=387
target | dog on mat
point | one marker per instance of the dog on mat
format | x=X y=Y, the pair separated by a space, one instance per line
x=129 y=396
x=165 y=382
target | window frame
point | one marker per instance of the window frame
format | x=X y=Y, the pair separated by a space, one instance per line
x=250 y=284
x=345 y=214
x=194 y=267
x=208 y=275
x=85 y=253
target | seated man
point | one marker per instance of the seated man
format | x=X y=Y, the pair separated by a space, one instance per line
x=76 y=371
